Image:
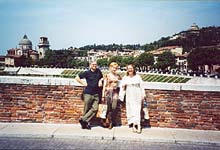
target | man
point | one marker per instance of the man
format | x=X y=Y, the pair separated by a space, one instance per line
x=91 y=93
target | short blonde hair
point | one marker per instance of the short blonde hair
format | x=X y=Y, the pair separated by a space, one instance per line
x=113 y=64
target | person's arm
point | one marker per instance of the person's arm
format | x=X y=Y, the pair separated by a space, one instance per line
x=119 y=77
x=104 y=86
x=77 y=78
x=122 y=90
x=143 y=95
x=100 y=84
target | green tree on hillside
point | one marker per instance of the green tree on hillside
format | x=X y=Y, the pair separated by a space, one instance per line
x=200 y=57
x=165 y=61
x=145 y=60
x=103 y=62
x=127 y=60
x=117 y=59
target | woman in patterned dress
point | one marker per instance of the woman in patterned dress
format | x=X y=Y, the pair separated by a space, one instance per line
x=110 y=93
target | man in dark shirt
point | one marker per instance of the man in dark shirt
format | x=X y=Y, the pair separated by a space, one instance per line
x=91 y=93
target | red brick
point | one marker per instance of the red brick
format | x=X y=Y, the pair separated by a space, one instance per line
x=62 y=104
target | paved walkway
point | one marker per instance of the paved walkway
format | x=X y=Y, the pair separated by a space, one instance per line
x=41 y=130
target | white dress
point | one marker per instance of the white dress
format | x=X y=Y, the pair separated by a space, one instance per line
x=134 y=94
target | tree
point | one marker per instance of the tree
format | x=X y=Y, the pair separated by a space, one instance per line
x=117 y=59
x=200 y=57
x=58 y=58
x=145 y=60
x=48 y=59
x=192 y=61
x=127 y=60
x=102 y=62
x=25 y=61
x=79 y=63
x=166 y=60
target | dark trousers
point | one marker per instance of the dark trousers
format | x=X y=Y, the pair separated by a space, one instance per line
x=112 y=100
x=91 y=103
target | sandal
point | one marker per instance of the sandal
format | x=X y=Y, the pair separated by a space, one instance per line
x=134 y=129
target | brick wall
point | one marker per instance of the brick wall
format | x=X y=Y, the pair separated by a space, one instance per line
x=62 y=104
x=184 y=109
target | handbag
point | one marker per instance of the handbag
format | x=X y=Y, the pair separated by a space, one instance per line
x=122 y=95
x=145 y=110
x=102 y=111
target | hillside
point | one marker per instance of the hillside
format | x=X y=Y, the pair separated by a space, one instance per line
x=207 y=36
x=192 y=38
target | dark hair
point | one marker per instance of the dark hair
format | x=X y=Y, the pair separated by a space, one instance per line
x=134 y=72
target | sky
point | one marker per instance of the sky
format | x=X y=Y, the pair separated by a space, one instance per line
x=78 y=23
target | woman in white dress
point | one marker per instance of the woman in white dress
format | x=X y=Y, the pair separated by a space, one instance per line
x=132 y=86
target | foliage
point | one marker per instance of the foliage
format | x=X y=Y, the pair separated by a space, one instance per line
x=25 y=61
x=206 y=36
x=203 y=56
x=145 y=60
x=165 y=60
x=117 y=59
x=127 y=60
x=111 y=47
x=103 y=62
x=61 y=58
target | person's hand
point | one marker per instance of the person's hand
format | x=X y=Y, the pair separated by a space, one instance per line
x=84 y=84
x=121 y=103
x=103 y=99
x=124 y=87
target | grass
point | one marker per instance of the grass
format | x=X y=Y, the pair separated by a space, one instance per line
x=145 y=77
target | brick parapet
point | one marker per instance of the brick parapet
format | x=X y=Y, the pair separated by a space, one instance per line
x=63 y=104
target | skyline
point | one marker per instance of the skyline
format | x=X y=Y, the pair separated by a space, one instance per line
x=78 y=23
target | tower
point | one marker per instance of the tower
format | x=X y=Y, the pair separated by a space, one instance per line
x=43 y=46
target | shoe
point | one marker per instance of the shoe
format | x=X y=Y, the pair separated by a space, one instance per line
x=110 y=126
x=83 y=123
x=134 y=129
x=88 y=127
x=147 y=123
x=130 y=125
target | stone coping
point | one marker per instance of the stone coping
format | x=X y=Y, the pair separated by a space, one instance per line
x=147 y=85
x=182 y=86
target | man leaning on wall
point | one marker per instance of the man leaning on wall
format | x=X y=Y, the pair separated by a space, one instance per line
x=91 y=93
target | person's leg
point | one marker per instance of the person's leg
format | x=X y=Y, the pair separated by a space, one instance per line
x=139 y=128
x=87 y=105
x=93 y=109
x=134 y=128
x=114 y=107
x=109 y=98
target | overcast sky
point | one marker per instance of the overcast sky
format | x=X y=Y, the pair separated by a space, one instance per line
x=84 y=22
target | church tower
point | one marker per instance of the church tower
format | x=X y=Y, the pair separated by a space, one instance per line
x=43 y=46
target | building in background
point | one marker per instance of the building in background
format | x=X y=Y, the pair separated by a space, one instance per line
x=2 y=62
x=14 y=56
x=43 y=46
x=181 y=58
x=25 y=43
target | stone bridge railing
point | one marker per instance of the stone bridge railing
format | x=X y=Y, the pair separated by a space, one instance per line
x=57 y=100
